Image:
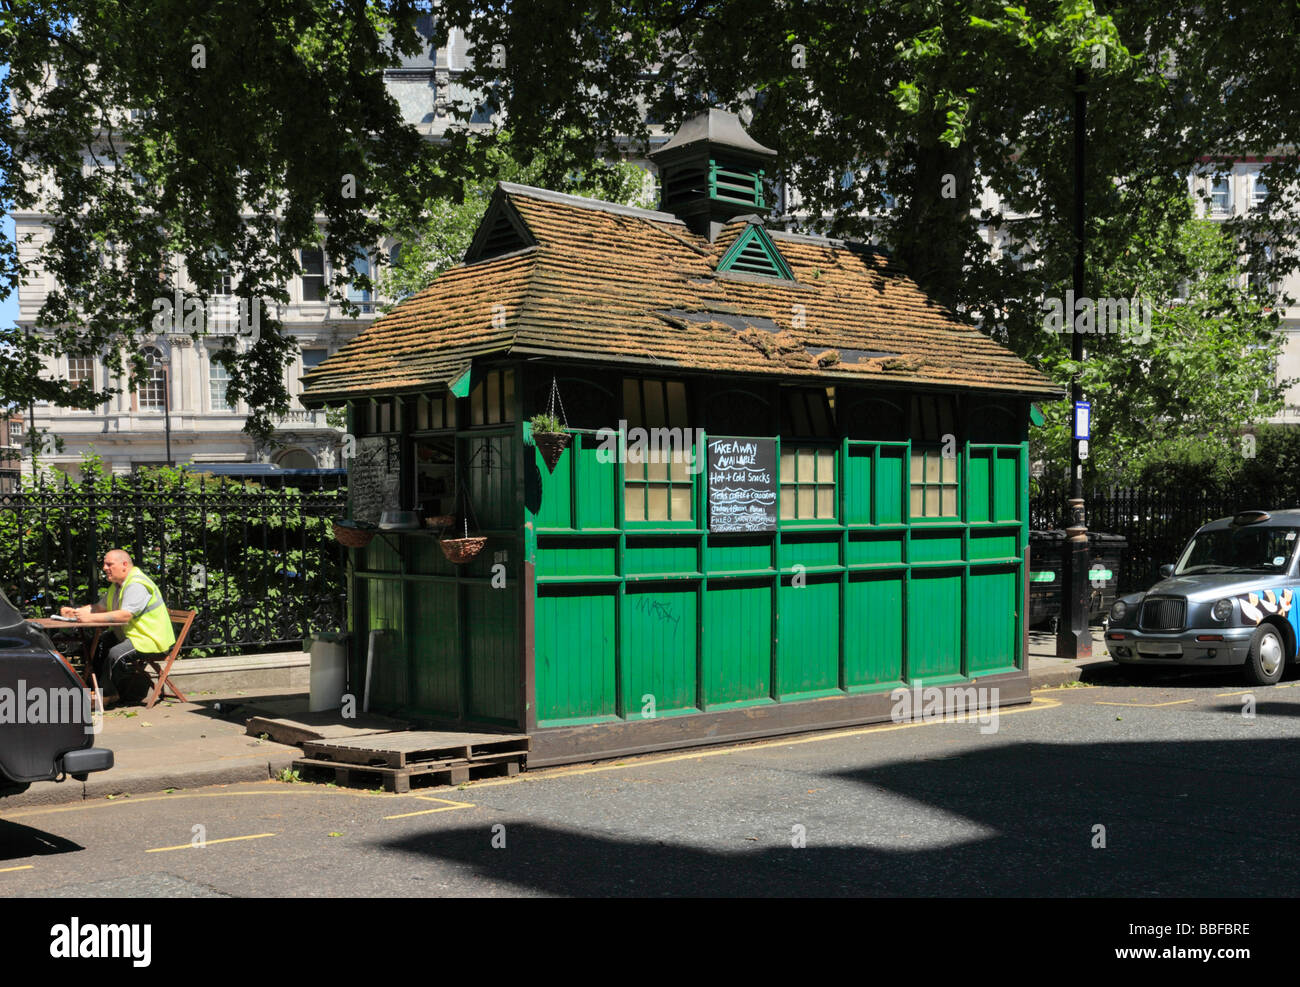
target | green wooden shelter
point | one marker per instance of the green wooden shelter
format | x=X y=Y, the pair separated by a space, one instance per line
x=793 y=482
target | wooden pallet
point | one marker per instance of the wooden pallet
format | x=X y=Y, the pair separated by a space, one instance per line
x=423 y=773
x=406 y=748
x=424 y=756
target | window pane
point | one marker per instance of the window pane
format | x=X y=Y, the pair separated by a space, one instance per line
x=932 y=467
x=658 y=502
x=435 y=413
x=313 y=275
x=826 y=502
x=681 y=502
x=422 y=413
x=787 y=500
x=633 y=502
x=493 y=398
x=678 y=470
x=807 y=466
x=787 y=466
x=825 y=465
x=817 y=409
x=657 y=469
x=807 y=502
x=654 y=404
x=949 y=501
x=449 y=403
x=948 y=466
x=508 y=396
x=918 y=466
x=677 y=404
x=632 y=403
x=476 y=405
x=917 y=507
x=798 y=413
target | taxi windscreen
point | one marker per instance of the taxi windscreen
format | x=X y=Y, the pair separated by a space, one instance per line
x=1239 y=549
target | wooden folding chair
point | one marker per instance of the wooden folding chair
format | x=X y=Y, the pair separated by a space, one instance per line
x=163 y=675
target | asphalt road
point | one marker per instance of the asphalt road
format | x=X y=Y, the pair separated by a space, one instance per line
x=1162 y=789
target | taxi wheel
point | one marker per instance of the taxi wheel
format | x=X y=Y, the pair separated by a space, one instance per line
x=1266 y=658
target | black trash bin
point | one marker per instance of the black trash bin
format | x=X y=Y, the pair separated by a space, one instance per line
x=1106 y=554
x=1046 y=559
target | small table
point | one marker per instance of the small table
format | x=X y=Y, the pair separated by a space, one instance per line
x=95 y=622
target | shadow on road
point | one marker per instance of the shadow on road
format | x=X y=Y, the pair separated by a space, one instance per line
x=18 y=841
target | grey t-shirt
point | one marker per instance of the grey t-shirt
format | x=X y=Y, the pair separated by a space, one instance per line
x=135 y=598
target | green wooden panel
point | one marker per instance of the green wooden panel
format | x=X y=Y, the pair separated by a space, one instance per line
x=991 y=643
x=737 y=642
x=492 y=654
x=575 y=641
x=729 y=554
x=935 y=547
x=809 y=550
x=1006 y=485
x=435 y=648
x=934 y=622
x=978 y=489
x=808 y=625
x=658 y=652
x=423 y=556
x=380 y=556
x=652 y=555
x=866 y=549
x=567 y=556
x=892 y=467
x=491 y=480
x=873 y=629
x=556 y=507
x=992 y=545
x=388 y=676
x=857 y=485
x=597 y=483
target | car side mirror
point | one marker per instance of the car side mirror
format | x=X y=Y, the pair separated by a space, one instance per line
x=1166 y=571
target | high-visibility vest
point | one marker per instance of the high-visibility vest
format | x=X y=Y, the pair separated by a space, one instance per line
x=151 y=629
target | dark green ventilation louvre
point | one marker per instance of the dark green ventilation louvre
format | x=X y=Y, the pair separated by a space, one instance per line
x=755 y=253
x=501 y=232
x=736 y=183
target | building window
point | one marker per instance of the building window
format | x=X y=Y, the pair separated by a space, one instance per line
x=657 y=482
x=435 y=413
x=1220 y=197
x=313 y=275
x=810 y=412
x=1258 y=192
x=492 y=401
x=312 y=359
x=81 y=370
x=807 y=484
x=153 y=390
x=218 y=381
x=360 y=268
x=934 y=457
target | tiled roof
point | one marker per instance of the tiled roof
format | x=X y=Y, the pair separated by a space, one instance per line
x=637 y=286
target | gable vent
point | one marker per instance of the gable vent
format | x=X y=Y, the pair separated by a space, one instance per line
x=502 y=231
x=755 y=253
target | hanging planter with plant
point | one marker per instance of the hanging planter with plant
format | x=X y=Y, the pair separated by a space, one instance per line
x=350 y=534
x=549 y=433
x=463 y=549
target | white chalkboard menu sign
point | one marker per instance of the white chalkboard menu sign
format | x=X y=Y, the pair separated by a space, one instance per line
x=742 y=485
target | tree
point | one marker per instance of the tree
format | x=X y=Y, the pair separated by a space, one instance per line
x=194 y=131
x=438 y=233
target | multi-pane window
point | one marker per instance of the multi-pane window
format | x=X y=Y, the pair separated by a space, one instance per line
x=218 y=381
x=657 y=480
x=1259 y=191
x=807 y=484
x=933 y=477
x=313 y=275
x=492 y=401
x=1220 y=197
x=153 y=389
x=81 y=370
x=434 y=413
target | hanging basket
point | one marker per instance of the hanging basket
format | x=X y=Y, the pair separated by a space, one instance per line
x=440 y=521
x=552 y=446
x=461 y=550
x=350 y=536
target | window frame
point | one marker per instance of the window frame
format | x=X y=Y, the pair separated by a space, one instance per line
x=636 y=476
x=817 y=483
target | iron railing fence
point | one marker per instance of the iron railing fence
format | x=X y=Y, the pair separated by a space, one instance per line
x=1157 y=523
x=260 y=566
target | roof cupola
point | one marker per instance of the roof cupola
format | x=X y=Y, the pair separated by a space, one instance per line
x=712 y=171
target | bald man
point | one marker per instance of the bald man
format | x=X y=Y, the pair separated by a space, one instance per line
x=147 y=632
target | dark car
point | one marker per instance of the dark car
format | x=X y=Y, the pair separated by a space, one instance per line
x=46 y=727
x=1233 y=598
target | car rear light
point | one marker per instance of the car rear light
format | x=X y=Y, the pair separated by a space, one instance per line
x=1209 y=637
